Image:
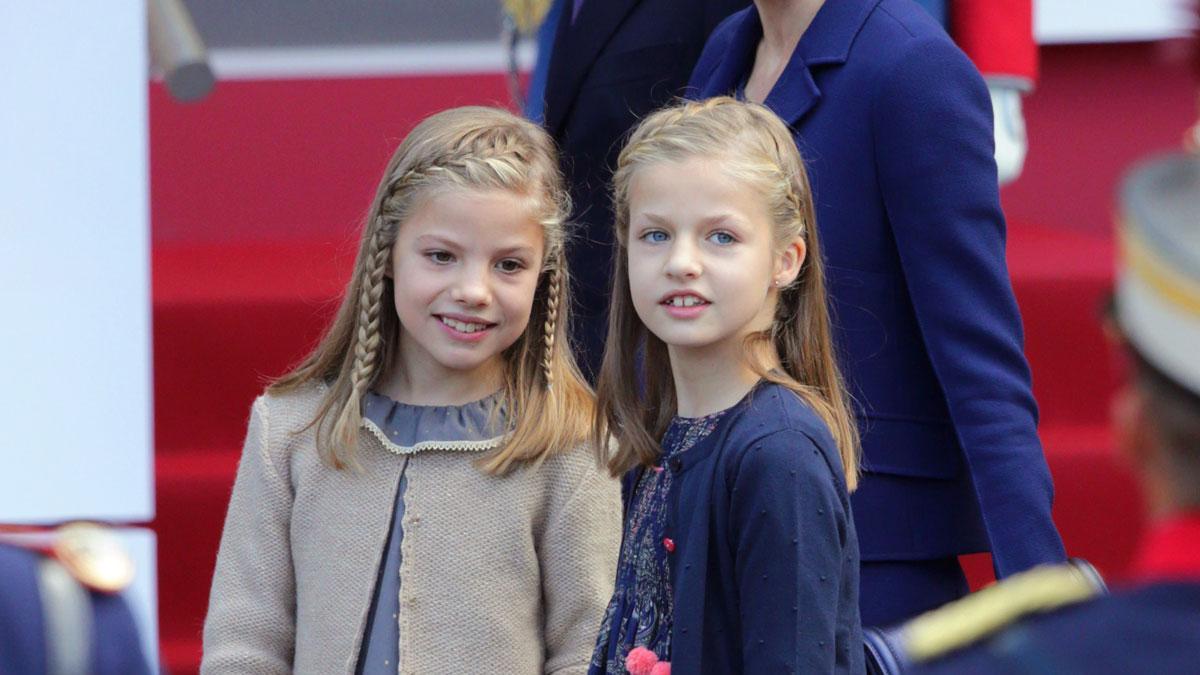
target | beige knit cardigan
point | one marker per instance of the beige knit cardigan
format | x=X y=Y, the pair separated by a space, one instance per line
x=499 y=574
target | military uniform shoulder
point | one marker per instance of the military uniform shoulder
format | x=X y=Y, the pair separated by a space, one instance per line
x=61 y=603
x=88 y=553
x=960 y=625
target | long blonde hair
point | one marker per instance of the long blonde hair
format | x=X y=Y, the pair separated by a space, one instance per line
x=754 y=146
x=548 y=403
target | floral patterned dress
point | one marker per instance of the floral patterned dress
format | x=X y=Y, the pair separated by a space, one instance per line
x=639 y=614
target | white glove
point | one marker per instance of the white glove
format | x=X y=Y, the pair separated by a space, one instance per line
x=1011 y=143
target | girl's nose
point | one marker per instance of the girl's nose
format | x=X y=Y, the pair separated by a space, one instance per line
x=684 y=261
x=472 y=289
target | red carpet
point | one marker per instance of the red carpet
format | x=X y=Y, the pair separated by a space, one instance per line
x=257 y=193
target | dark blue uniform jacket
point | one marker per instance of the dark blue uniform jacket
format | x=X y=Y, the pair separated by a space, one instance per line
x=1153 y=629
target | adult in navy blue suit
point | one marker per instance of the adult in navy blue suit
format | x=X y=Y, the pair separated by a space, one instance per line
x=895 y=126
x=612 y=62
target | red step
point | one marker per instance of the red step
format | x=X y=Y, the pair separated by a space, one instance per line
x=1061 y=279
x=193 y=489
x=229 y=318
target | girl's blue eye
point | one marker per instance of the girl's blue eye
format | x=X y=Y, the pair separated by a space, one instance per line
x=440 y=257
x=722 y=238
x=654 y=236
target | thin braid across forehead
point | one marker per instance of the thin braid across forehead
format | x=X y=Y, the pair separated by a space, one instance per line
x=672 y=126
x=503 y=156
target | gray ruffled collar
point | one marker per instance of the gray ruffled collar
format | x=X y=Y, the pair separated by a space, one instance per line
x=405 y=429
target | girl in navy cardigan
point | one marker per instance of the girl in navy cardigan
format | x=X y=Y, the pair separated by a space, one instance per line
x=738 y=449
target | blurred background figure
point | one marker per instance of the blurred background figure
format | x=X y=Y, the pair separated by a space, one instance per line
x=1153 y=625
x=61 y=606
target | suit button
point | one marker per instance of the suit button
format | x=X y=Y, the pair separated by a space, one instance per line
x=676 y=464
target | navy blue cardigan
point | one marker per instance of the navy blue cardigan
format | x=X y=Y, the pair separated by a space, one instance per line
x=764 y=574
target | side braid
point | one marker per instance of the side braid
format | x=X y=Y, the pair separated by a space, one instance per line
x=797 y=204
x=366 y=335
x=554 y=292
x=366 y=344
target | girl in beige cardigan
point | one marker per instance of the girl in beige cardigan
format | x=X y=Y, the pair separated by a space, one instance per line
x=417 y=496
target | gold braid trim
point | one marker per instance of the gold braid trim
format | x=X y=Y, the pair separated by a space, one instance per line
x=983 y=613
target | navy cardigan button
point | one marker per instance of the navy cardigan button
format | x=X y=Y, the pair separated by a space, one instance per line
x=676 y=464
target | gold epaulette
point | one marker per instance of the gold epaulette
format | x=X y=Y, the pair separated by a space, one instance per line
x=527 y=14
x=94 y=556
x=983 y=613
x=90 y=553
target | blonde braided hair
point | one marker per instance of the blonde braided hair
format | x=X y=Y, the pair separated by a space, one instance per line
x=367 y=337
x=554 y=300
x=471 y=148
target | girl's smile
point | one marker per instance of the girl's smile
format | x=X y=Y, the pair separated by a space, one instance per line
x=465 y=328
x=465 y=266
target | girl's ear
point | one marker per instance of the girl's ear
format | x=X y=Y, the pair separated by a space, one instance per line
x=789 y=262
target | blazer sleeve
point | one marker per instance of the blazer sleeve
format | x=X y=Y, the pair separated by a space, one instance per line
x=251 y=620
x=578 y=554
x=789 y=528
x=932 y=130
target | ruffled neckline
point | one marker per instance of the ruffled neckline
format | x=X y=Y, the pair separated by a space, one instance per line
x=405 y=429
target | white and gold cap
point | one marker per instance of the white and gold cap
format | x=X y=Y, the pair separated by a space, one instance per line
x=1158 y=265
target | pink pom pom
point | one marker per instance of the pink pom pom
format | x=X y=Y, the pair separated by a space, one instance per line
x=661 y=668
x=641 y=661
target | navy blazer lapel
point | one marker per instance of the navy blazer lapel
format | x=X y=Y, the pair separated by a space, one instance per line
x=826 y=42
x=575 y=49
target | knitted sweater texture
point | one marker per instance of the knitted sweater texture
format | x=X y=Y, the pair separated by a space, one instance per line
x=500 y=574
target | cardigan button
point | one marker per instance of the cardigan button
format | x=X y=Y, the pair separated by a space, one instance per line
x=669 y=544
x=676 y=464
